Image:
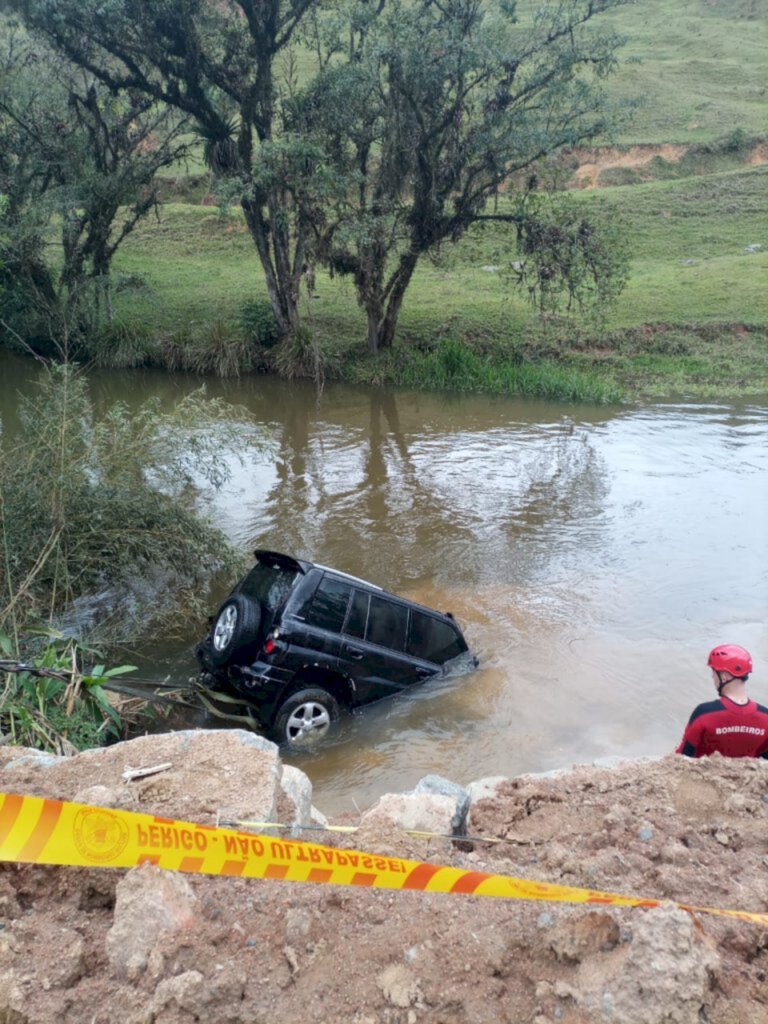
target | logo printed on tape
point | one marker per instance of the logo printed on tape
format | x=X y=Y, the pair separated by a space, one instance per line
x=99 y=835
x=39 y=831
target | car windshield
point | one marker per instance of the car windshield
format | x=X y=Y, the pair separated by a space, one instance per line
x=268 y=584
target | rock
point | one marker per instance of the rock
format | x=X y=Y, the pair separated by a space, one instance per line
x=667 y=973
x=485 y=789
x=755 y=247
x=580 y=937
x=298 y=924
x=20 y=758
x=435 y=805
x=12 y=1001
x=427 y=812
x=399 y=986
x=437 y=784
x=215 y=774
x=297 y=789
x=490 y=268
x=317 y=817
x=187 y=991
x=150 y=902
x=67 y=963
x=104 y=796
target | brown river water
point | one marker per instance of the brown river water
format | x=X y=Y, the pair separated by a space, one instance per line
x=592 y=554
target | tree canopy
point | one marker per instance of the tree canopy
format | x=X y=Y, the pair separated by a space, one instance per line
x=407 y=117
x=77 y=155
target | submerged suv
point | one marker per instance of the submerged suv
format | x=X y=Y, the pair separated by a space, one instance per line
x=300 y=641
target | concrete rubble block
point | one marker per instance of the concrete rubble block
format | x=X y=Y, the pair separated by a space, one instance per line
x=149 y=903
x=436 y=784
x=297 y=792
x=667 y=974
x=485 y=789
x=418 y=812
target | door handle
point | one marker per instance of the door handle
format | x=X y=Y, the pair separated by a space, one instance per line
x=354 y=652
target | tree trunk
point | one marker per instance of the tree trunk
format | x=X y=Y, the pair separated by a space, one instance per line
x=282 y=283
x=391 y=304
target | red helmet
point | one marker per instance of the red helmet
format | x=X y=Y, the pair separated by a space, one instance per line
x=730 y=658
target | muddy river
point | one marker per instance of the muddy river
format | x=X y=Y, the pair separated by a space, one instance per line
x=592 y=554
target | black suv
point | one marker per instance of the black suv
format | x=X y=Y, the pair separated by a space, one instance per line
x=300 y=641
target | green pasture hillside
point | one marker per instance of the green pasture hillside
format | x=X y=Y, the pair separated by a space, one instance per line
x=699 y=269
x=698 y=67
x=694 y=315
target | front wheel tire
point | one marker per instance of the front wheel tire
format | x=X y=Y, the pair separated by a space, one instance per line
x=305 y=718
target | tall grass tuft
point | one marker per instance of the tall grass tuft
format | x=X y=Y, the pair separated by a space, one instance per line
x=222 y=351
x=121 y=345
x=303 y=354
x=455 y=366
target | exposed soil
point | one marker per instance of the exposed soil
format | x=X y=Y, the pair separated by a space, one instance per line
x=592 y=162
x=223 y=949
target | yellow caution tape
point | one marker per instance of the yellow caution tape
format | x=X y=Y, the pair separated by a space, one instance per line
x=39 y=831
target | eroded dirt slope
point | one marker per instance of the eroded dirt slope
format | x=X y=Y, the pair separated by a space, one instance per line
x=88 y=947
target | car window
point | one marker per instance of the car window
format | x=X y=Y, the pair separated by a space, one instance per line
x=387 y=622
x=328 y=607
x=433 y=640
x=358 y=615
x=268 y=584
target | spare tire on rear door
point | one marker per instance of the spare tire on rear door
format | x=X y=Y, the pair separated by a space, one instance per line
x=235 y=633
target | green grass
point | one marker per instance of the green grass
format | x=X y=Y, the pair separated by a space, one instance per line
x=701 y=68
x=691 y=283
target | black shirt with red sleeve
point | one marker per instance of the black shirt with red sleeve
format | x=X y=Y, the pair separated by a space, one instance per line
x=734 y=730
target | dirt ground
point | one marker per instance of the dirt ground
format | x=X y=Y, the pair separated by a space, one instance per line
x=89 y=946
x=592 y=161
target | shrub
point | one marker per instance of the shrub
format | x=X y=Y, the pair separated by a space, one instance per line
x=88 y=503
x=49 y=702
x=259 y=323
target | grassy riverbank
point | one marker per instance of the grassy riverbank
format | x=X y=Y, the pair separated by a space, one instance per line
x=693 y=318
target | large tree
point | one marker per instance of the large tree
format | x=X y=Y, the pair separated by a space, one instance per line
x=79 y=156
x=215 y=61
x=426 y=109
